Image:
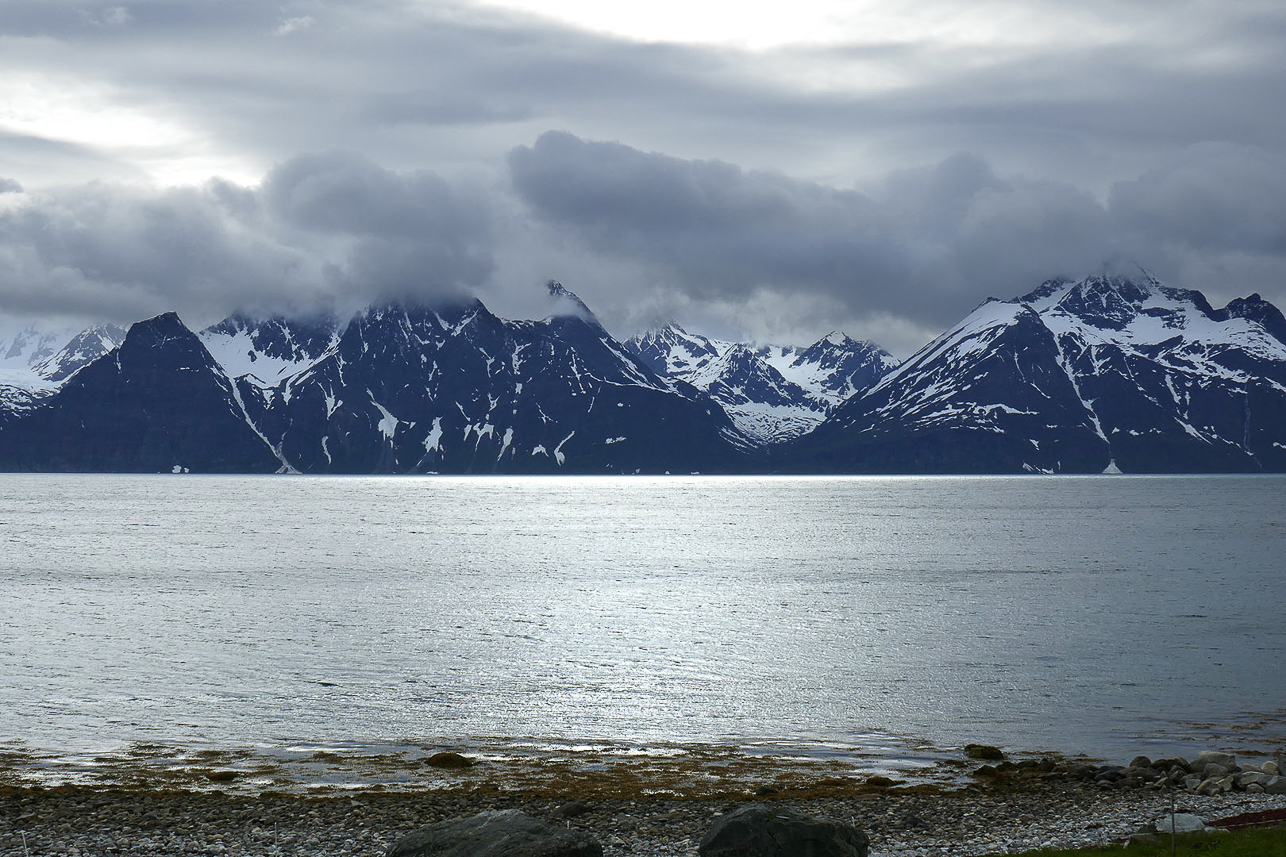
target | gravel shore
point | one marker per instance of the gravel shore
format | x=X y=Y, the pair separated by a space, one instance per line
x=85 y=820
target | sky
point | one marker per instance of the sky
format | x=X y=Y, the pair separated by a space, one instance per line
x=873 y=167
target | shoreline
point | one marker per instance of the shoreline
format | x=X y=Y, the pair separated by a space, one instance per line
x=640 y=806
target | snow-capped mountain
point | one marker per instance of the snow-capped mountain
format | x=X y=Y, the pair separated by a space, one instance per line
x=771 y=393
x=84 y=348
x=43 y=358
x=1102 y=374
x=834 y=368
x=35 y=362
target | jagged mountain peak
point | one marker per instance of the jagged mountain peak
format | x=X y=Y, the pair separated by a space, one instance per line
x=566 y=303
x=673 y=351
x=30 y=345
x=156 y=328
x=83 y=349
x=1107 y=371
x=1255 y=309
x=836 y=338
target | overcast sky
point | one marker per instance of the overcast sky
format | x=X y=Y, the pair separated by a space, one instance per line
x=877 y=167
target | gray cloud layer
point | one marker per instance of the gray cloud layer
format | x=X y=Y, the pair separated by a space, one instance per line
x=328 y=229
x=928 y=244
x=886 y=185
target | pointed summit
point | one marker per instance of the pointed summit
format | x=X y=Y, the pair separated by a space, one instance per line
x=565 y=303
x=1256 y=309
x=86 y=347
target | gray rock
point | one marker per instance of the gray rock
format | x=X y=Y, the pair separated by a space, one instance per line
x=1192 y=782
x=1081 y=770
x=764 y=831
x=1183 y=823
x=1246 y=778
x=501 y=833
x=1274 y=785
x=573 y=809
x=1228 y=760
x=985 y=752
x=1216 y=785
x=1270 y=768
x=1216 y=771
x=1140 y=762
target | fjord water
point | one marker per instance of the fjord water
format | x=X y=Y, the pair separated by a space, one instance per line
x=1103 y=615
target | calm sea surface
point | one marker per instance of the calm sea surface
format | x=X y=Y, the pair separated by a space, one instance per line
x=1104 y=615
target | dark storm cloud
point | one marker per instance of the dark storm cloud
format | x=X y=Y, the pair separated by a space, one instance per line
x=929 y=247
x=118 y=254
x=1213 y=197
x=332 y=227
x=926 y=245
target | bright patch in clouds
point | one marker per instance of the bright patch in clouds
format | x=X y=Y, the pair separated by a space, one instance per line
x=821 y=22
x=76 y=111
x=700 y=21
x=101 y=119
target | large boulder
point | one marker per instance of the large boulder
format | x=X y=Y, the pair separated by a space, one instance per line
x=763 y=831
x=1224 y=760
x=501 y=833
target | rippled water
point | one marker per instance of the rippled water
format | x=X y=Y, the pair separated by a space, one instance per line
x=1103 y=615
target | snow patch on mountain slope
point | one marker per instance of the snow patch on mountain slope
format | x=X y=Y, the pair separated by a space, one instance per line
x=239 y=357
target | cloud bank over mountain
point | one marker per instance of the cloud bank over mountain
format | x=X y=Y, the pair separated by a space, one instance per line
x=207 y=156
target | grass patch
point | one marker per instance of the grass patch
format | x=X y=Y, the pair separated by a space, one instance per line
x=1269 y=842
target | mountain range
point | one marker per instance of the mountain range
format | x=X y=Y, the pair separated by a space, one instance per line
x=1106 y=373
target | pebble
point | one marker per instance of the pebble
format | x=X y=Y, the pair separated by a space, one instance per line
x=84 y=821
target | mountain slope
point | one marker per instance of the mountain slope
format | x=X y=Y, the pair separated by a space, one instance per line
x=156 y=403
x=1108 y=372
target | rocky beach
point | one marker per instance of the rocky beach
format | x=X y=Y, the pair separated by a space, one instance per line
x=998 y=806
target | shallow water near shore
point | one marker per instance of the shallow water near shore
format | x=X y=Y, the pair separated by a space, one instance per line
x=881 y=621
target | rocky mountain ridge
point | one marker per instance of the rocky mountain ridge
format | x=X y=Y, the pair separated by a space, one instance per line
x=1101 y=374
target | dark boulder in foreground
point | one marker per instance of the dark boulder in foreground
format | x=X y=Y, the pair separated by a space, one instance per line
x=763 y=831
x=502 y=833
